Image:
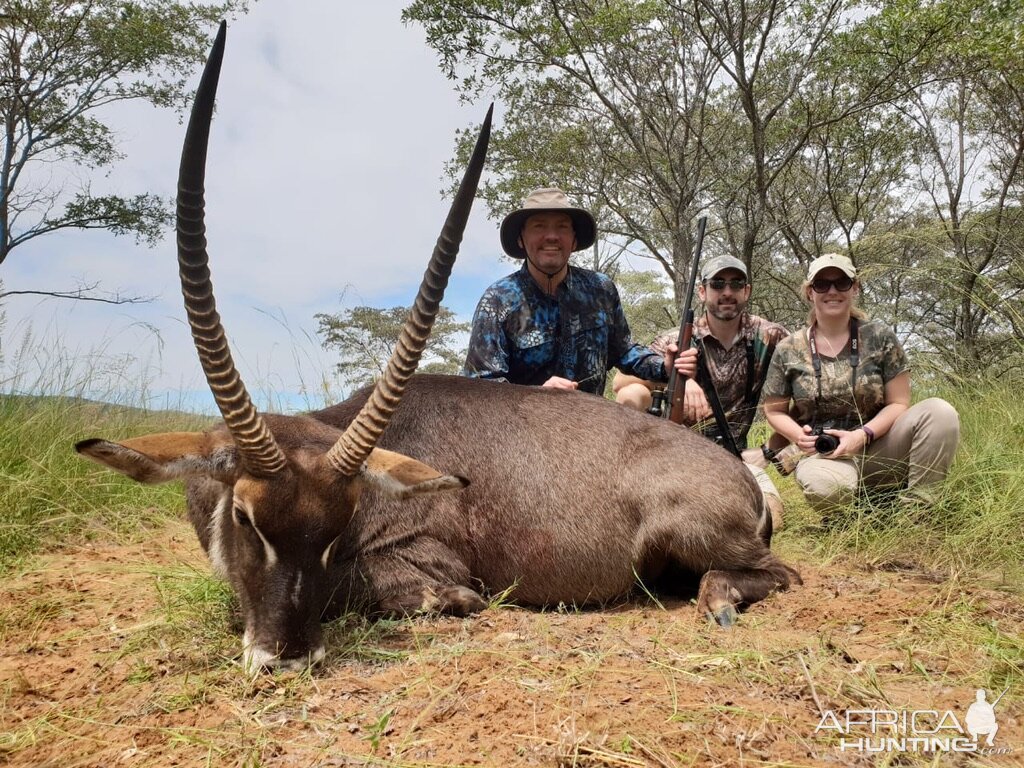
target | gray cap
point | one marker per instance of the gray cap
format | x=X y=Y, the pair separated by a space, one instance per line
x=721 y=263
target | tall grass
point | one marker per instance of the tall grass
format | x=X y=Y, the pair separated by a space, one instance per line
x=48 y=493
x=52 y=396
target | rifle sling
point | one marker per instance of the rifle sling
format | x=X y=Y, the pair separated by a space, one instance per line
x=728 y=442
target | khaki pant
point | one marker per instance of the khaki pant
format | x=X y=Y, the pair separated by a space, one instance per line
x=916 y=452
x=767 y=486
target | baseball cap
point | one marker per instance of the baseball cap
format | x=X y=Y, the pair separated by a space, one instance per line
x=721 y=263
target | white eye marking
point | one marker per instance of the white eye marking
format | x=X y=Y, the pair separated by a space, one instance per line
x=220 y=513
x=267 y=548
x=325 y=558
x=243 y=517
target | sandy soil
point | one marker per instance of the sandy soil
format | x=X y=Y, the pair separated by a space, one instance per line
x=125 y=656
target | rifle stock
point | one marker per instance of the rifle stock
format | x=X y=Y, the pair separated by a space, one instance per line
x=676 y=389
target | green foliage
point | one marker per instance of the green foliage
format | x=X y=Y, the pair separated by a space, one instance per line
x=648 y=304
x=365 y=338
x=64 y=61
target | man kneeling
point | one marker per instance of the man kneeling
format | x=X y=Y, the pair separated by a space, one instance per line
x=734 y=350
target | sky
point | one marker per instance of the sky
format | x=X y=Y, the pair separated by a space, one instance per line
x=323 y=187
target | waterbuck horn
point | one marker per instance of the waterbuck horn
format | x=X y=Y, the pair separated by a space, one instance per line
x=260 y=453
x=348 y=454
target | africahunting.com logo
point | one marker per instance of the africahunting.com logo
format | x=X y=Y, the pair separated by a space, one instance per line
x=917 y=730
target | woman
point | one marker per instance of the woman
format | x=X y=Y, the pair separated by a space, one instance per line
x=846 y=377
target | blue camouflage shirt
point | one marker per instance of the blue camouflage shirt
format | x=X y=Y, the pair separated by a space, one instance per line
x=522 y=335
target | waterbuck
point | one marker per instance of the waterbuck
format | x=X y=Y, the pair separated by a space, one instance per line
x=573 y=499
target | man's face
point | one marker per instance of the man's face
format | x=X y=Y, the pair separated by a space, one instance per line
x=548 y=239
x=725 y=303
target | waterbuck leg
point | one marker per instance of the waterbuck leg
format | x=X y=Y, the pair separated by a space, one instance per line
x=722 y=592
x=453 y=599
x=423 y=575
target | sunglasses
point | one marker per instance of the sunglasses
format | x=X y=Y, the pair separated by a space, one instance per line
x=841 y=284
x=719 y=284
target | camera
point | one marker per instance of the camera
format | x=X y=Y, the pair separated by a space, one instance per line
x=824 y=443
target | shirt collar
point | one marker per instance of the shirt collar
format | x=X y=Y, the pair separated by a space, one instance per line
x=563 y=287
x=702 y=330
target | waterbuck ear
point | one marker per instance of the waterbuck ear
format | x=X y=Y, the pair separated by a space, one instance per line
x=399 y=476
x=167 y=456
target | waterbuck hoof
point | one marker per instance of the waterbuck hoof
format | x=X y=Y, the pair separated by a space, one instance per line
x=724 y=617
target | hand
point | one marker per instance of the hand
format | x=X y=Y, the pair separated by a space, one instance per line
x=685 y=362
x=695 y=403
x=557 y=382
x=851 y=443
x=806 y=441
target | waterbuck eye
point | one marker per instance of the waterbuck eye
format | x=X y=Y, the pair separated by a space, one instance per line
x=241 y=517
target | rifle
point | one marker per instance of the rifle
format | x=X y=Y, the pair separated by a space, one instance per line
x=676 y=388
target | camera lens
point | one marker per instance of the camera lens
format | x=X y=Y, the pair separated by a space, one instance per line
x=826 y=443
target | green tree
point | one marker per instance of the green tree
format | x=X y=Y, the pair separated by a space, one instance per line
x=964 y=115
x=648 y=304
x=365 y=337
x=62 y=63
x=654 y=111
x=604 y=100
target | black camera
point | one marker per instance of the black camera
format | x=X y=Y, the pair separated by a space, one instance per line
x=824 y=443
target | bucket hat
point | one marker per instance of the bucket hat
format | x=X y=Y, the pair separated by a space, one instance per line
x=546 y=200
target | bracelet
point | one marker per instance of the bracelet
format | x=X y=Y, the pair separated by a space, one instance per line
x=869 y=432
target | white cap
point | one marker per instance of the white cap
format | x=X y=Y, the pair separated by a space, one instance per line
x=842 y=263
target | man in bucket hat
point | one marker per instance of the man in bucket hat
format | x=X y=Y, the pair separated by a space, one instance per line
x=551 y=323
x=736 y=348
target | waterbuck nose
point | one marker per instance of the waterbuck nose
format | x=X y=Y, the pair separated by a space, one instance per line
x=256 y=659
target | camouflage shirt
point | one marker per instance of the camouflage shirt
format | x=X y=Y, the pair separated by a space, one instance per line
x=791 y=375
x=522 y=335
x=728 y=368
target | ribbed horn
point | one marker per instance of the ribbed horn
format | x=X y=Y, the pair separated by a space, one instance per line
x=260 y=453
x=348 y=454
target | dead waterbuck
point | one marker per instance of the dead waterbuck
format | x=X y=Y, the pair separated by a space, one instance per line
x=573 y=499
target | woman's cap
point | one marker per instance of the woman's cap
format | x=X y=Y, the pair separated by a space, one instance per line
x=842 y=263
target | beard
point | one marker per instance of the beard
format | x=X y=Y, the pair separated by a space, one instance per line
x=727 y=310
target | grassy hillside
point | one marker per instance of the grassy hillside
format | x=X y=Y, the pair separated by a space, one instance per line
x=50 y=495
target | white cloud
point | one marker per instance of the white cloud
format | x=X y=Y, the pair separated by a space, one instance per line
x=327 y=151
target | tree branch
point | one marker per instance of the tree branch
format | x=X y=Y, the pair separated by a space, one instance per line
x=83 y=294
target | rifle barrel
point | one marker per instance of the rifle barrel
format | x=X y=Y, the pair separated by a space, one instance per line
x=676 y=387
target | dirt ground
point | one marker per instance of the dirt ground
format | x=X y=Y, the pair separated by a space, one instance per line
x=125 y=656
